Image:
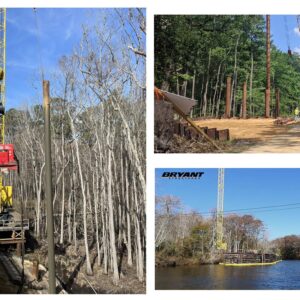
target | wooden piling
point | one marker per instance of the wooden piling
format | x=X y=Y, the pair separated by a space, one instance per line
x=277 y=111
x=19 y=249
x=244 y=104
x=228 y=96
x=268 y=68
x=48 y=189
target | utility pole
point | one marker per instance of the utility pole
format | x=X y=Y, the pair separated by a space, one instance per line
x=268 y=68
x=49 y=203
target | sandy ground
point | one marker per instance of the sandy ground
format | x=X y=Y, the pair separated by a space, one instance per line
x=259 y=135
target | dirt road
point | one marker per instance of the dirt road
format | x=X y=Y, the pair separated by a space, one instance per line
x=259 y=135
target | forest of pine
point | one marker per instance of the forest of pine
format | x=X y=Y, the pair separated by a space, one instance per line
x=194 y=54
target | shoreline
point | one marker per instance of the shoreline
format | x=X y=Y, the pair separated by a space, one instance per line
x=180 y=262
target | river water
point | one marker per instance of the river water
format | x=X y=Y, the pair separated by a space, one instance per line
x=284 y=275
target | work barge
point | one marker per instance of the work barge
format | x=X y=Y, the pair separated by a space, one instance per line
x=249 y=259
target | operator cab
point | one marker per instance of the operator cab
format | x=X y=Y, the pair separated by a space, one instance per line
x=8 y=159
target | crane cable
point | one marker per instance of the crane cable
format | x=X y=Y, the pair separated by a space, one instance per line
x=287 y=36
x=38 y=40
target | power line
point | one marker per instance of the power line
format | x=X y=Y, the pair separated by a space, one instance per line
x=280 y=209
x=38 y=42
x=255 y=209
x=263 y=207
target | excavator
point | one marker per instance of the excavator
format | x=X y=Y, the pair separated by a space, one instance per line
x=8 y=159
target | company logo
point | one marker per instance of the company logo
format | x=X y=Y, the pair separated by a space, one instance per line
x=182 y=175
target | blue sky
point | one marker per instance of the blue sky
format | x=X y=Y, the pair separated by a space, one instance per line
x=244 y=188
x=42 y=38
x=53 y=33
x=58 y=32
x=279 y=32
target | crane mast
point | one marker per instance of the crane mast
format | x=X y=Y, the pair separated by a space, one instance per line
x=8 y=160
x=220 y=245
x=2 y=71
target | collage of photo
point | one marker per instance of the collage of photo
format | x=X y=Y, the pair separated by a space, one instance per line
x=149 y=154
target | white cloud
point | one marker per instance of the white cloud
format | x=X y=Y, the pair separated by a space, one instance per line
x=20 y=64
x=70 y=29
x=297 y=50
x=297 y=31
x=27 y=29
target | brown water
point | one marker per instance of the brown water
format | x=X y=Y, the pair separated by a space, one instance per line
x=284 y=275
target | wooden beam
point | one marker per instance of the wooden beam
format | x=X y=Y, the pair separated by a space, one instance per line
x=12 y=241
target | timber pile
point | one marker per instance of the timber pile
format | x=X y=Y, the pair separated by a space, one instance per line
x=184 y=130
x=284 y=121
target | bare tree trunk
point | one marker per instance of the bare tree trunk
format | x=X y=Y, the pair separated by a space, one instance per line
x=75 y=141
x=204 y=108
x=250 y=87
x=234 y=85
x=139 y=255
x=128 y=213
x=112 y=238
x=63 y=188
x=216 y=89
x=219 y=96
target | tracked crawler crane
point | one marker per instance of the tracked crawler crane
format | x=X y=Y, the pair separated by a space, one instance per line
x=220 y=245
x=8 y=159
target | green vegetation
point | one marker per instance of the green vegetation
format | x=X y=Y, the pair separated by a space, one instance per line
x=195 y=54
x=186 y=238
x=289 y=246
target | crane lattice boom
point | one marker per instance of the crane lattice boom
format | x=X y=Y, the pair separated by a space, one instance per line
x=220 y=211
x=8 y=160
x=2 y=70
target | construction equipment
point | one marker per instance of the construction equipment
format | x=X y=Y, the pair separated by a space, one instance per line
x=8 y=160
x=220 y=245
x=182 y=106
x=2 y=70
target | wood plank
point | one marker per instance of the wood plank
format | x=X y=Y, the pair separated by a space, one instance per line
x=12 y=241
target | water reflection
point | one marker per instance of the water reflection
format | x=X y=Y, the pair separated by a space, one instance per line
x=284 y=275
